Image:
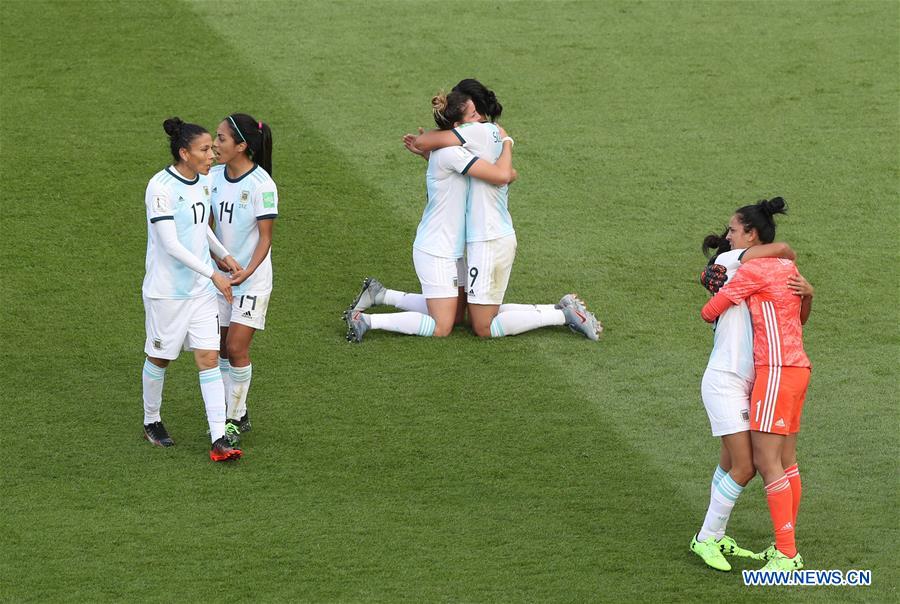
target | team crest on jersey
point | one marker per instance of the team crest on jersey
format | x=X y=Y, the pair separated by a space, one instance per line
x=245 y=196
x=206 y=190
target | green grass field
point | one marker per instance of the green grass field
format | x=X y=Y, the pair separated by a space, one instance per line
x=536 y=468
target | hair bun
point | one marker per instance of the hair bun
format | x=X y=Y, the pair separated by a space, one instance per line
x=773 y=206
x=172 y=126
x=439 y=102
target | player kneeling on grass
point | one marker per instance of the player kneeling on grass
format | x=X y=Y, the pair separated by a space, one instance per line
x=725 y=389
x=245 y=205
x=441 y=234
x=465 y=118
x=180 y=283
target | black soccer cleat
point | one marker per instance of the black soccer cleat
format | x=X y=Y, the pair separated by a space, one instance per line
x=157 y=434
x=232 y=432
x=243 y=424
x=222 y=451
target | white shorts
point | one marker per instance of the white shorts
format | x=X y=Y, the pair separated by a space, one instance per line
x=726 y=396
x=171 y=325
x=439 y=276
x=489 y=266
x=247 y=309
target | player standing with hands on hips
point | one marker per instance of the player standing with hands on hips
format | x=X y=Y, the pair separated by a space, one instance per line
x=245 y=205
x=180 y=283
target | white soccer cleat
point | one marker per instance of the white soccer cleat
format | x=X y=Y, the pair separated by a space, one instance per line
x=371 y=294
x=578 y=318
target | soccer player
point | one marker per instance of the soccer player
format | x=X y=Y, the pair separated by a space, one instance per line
x=779 y=301
x=490 y=236
x=440 y=237
x=180 y=283
x=725 y=391
x=245 y=205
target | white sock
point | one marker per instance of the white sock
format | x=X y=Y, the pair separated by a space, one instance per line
x=153 y=378
x=718 y=475
x=225 y=368
x=405 y=301
x=213 y=392
x=513 y=307
x=410 y=323
x=720 y=505
x=514 y=322
x=237 y=397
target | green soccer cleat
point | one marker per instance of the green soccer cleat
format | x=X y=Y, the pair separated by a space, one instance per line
x=779 y=561
x=709 y=551
x=372 y=294
x=729 y=547
x=766 y=554
x=232 y=432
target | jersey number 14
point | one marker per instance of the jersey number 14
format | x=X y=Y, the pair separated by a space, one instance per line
x=225 y=208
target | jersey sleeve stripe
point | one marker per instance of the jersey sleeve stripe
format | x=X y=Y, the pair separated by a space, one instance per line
x=267 y=217
x=158 y=218
x=458 y=135
x=469 y=165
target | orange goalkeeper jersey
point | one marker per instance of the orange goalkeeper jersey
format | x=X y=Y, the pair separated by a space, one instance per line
x=774 y=309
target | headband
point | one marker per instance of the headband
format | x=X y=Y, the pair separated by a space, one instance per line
x=238 y=130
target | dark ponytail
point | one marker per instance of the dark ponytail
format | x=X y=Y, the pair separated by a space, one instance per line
x=257 y=135
x=181 y=135
x=761 y=216
x=485 y=100
x=715 y=242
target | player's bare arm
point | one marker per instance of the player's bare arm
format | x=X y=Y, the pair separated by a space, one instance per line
x=500 y=173
x=776 y=249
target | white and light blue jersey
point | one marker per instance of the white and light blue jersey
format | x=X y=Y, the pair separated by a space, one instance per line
x=733 y=341
x=238 y=205
x=487 y=211
x=442 y=230
x=170 y=196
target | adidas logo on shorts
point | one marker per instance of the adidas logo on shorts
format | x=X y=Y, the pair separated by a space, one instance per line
x=779 y=423
x=247 y=315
